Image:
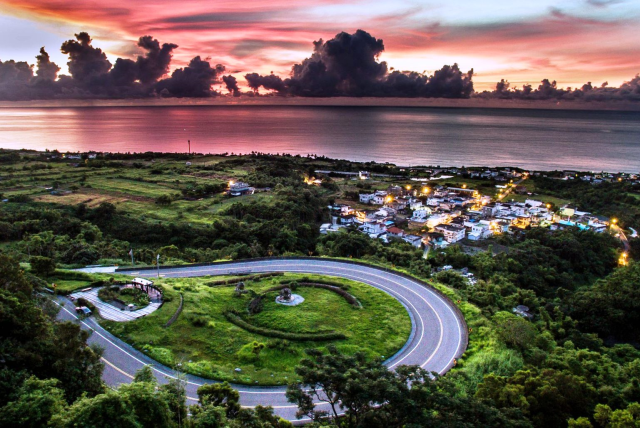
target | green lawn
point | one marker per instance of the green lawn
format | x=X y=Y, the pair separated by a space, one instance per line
x=205 y=343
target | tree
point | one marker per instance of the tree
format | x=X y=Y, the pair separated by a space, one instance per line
x=452 y=279
x=361 y=393
x=145 y=374
x=42 y=266
x=12 y=278
x=220 y=395
x=548 y=397
x=515 y=331
x=37 y=401
x=107 y=410
x=611 y=307
x=176 y=397
x=134 y=405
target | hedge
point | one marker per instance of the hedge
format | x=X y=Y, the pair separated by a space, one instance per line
x=175 y=316
x=238 y=321
x=234 y=281
x=306 y=279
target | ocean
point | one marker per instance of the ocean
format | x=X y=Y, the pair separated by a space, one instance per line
x=531 y=139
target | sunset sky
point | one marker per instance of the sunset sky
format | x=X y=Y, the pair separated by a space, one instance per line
x=571 y=41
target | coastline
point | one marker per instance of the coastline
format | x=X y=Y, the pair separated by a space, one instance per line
x=224 y=100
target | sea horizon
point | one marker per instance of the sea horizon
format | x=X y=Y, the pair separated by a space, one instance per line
x=406 y=136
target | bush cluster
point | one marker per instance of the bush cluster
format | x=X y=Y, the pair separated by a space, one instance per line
x=234 y=281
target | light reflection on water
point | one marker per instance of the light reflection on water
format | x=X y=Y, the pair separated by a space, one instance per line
x=406 y=136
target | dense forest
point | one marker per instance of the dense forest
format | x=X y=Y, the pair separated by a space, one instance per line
x=574 y=363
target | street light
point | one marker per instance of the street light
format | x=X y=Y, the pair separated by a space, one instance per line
x=158 y=264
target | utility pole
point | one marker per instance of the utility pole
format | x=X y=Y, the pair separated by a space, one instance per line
x=189 y=142
x=158 y=264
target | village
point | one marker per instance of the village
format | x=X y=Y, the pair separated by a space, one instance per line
x=434 y=216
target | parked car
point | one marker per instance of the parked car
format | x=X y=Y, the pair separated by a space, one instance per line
x=83 y=310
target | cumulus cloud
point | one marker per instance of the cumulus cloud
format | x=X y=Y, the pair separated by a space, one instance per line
x=195 y=80
x=86 y=63
x=14 y=79
x=155 y=63
x=348 y=65
x=270 y=82
x=47 y=70
x=93 y=76
x=232 y=85
x=549 y=90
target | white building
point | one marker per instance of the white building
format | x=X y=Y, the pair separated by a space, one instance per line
x=437 y=219
x=379 y=198
x=420 y=214
x=415 y=204
x=366 y=198
x=452 y=233
x=328 y=227
x=480 y=230
x=414 y=240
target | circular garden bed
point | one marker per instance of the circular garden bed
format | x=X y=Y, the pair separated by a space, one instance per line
x=222 y=329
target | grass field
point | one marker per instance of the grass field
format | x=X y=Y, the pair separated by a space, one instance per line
x=203 y=342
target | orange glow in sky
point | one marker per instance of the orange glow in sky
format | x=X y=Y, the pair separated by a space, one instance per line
x=584 y=40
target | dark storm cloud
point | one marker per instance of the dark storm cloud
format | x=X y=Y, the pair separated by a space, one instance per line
x=145 y=69
x=85 y=62
x=92 y=75
x=232 y=85
x=270 y=82
x=155 y=63
x=348 y=65
x=195 y=80
x=14 y=79
x=46 y=70
x=549 y=90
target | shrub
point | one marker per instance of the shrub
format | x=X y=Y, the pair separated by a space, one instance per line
x=164 y=200
x=198 y=320
x=84 y=302
x=256 y=305
x=106 y=294
x=42 y=266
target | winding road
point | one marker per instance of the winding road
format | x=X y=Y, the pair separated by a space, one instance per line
x=439 y=333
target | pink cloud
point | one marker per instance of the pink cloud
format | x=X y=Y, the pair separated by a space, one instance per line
x=271 y=36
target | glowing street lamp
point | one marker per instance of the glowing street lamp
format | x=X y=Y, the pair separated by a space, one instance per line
x=622 y=261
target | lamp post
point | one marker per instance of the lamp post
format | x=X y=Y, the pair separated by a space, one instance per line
x=158 y=264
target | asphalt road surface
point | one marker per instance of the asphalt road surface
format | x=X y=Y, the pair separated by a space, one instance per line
x=439 y=333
